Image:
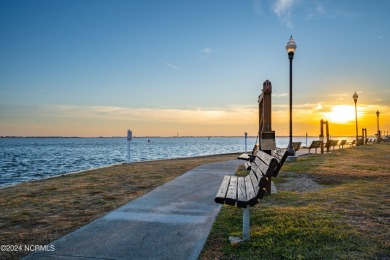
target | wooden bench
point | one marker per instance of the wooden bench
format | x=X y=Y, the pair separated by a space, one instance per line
x=352 y=143
x=331 y=144
x=248 y=165
x=314 y=145
x=245 y=192
x=342 y=143
x=334 y=143
x=296 y=145
x=249 y=157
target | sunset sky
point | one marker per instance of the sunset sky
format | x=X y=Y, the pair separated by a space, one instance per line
x=98 y=68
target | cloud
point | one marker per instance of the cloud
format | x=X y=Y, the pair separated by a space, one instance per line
x=280 y=94
x=315 y=9
x=283 y=9
x=308 y=10
x=171 y=66
x=217 y=115
x=207 y=51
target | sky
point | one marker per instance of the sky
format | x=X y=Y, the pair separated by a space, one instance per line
x=191 y=68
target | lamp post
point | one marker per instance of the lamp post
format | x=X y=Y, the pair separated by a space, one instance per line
x=355 y=98
x=291 y=47
x=377 y=127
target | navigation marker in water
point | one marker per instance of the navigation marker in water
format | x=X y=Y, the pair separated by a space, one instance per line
x=129 y=138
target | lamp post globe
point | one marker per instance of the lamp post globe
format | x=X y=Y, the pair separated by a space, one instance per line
x=290 y=48
x=355 y=98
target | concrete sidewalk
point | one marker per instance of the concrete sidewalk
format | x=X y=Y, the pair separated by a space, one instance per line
x=170 y=222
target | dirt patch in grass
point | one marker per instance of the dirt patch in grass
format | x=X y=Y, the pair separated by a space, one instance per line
x=39 y=212
x=298 y=182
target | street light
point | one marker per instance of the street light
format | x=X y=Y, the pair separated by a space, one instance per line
x=355 y=98
x=291 y=47
x=377 y=126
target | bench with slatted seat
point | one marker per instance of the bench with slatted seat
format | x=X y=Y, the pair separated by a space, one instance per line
x=243 y=191
x=296 y=145
x=249 y=157
x=334 y=143
x=342 y=143
x=248 y=165
x=314 y=145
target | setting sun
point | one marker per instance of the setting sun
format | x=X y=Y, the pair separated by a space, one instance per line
x=341 y=114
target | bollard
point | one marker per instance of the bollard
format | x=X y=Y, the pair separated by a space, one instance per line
x=128 y=151
x=246 y=137
x=129 y=138
x=306 y=139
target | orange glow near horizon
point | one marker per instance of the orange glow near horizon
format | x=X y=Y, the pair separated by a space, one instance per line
x=341 y=114
x=234 y=120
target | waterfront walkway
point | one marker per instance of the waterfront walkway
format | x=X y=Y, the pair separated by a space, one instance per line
x=170 y=222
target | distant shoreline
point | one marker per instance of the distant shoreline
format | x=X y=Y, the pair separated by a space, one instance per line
x=230 y=136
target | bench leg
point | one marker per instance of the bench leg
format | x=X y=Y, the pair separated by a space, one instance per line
x=246 y=223
x=245 y=228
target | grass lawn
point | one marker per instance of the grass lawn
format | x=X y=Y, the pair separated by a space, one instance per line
x=39 y=212
x=348 y=218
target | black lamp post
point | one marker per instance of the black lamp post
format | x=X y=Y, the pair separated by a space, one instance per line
x=291 y=47
x=355 y=98
x=377 y=126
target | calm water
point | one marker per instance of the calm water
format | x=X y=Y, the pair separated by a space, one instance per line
x=25 y=159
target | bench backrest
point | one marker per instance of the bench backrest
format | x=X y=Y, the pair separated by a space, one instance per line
x=296 y=145
x=343 y=142
x=281 y=155
x=334 y=142
x=264 y=164
x=329 y=143
x=315 y=144
x=263 y=167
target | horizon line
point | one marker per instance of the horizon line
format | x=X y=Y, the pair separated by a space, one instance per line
x=157 y=136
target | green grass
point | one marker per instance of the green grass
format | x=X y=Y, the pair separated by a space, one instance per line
x=304 y=164
x=347 y=219
x=242 y=171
